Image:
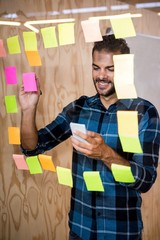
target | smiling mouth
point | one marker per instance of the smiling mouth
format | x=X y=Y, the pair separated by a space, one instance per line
x=102 y=82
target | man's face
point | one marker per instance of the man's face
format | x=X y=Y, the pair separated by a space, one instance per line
x=103 y=72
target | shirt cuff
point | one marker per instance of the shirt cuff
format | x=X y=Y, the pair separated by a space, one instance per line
x=28 y=153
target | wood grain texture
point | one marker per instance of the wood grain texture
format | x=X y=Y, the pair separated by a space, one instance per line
x=35 y=207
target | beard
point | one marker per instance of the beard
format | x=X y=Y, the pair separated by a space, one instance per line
x=102 y=91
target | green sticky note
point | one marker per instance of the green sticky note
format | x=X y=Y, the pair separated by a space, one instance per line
x=49 y=37
x=93 y=181
x=64 y=176
x=30 y=41
x=11 y=104
x=66 y=33
x=122 y=173
x=34 y=165
x=13 y=45
x=130 y=144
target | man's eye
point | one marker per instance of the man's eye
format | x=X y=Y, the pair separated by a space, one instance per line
x=111 y=69
x=95 y=68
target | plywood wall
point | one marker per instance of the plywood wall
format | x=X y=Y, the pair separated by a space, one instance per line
x=35 y=207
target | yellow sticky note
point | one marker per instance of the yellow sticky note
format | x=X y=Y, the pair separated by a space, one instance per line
x=14 y=135
x=11 y=104
x=46 y=162
x=93 y=181
x=49 y=37
x=128 y=131
x=124 y=76
x=34 y=165
x=91 y=30
x=66 y=33
x=122 y=173
x=13 y=45
x=127 y=123
x=125 y=91
x=131 y=144
x=30 y=41
x=122 y=26
x=64 y=176
x=34 y=58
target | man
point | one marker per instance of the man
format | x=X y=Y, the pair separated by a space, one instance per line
x=114 y=214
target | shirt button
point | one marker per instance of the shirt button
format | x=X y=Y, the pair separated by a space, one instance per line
x=98 y=214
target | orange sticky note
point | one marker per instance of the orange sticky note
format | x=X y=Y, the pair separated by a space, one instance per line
x=14 y=135
x=34 y=58
x=46 y=162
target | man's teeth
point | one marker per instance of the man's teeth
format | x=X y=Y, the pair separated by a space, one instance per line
x=103 y=82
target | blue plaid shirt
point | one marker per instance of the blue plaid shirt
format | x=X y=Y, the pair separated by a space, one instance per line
x=114 y=214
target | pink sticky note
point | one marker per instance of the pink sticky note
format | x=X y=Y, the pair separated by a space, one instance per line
x=20 y=162
x=11 y=76
x=91 y=30
x=2 y=49
x=29 y=82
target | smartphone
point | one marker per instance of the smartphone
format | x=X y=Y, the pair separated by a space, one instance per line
x=78 y=127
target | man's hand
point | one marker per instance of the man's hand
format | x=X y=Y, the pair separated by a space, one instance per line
x=94 y=146
x=29 y=100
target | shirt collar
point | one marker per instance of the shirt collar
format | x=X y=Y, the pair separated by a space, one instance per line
x=95 y=100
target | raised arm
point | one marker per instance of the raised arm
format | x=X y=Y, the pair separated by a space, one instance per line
x=28 y=102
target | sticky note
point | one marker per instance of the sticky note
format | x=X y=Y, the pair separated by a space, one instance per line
x=122 y=26
x=20 y=161
x=124 y=76
x=91 y=30
x=46 y=162
x=11 y=75
x=93 y=181
x=127 y=122
x=128 y=131
x=122 y=173
x=29 y=82
x=34 y=165
x=66 y=33
x=14 y=135
x=131 y=144
x=2 y=49
x=34 y=58
x=30 y=41
x=11 y=104
x=13 y=45
x=64 y=176
x=49 y=37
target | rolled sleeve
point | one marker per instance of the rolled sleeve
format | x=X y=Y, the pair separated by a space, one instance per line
x=33 y=152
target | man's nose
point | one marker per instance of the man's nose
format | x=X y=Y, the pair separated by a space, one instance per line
x=102 y=74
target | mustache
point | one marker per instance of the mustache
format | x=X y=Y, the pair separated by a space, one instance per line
x=98 y=80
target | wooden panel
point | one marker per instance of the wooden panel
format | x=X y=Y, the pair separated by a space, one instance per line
x=151 y=210
x=36 y=206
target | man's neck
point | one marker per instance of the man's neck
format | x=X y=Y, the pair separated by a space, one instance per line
x=108 y=101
